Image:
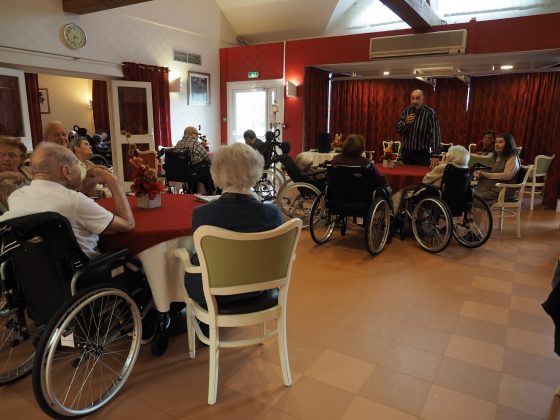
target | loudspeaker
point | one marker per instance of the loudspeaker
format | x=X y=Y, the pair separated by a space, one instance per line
x=324 y=143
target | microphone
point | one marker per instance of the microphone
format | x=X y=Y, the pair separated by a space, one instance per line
x=412 y=110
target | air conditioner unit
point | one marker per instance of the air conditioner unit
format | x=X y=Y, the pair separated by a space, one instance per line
x=444 y=42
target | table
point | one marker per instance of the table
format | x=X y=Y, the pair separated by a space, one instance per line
x=158 y=232
x=319 y=158
x=400 y=176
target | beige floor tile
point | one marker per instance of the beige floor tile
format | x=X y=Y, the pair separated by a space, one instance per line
x=476 y=352
x=445 y=404
x=415 y=362
x=532 y=367
x=531 y=322
x=469 y=379
x=312 y=399
x=530 y=342
x=362 y=408
x=497 y=262
x=423 y=338
x=529 y=291
x=494 y=285
x=433 y=319
x=341 y=371
x=506 y=413
x=531 y=306
x=393 y=389
x=537 y=261
x=481 y=330
x=526 y=396
x=531 y=279
x=301 y=353
x=275 y=414
x=485 y=312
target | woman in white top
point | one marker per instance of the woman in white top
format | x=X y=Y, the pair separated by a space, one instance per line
x=505 y=165
x=81 y=147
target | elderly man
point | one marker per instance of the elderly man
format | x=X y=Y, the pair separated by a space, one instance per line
x=419 y=130
x=189 y=143
x=56 y=176
x=56 y=132
x=251 y=139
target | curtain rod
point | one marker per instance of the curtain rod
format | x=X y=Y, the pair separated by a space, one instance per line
x=56 y=55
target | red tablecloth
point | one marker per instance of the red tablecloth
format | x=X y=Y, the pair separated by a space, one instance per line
x=402 y=175
x=153 y=226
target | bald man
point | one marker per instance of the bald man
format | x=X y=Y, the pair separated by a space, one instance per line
x=419 y=131
x=56 y=177
x=56 y=132
x=189 y=143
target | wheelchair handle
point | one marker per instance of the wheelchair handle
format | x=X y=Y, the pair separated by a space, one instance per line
x=478 y=166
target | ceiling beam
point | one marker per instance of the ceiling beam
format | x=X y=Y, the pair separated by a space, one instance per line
x=416 y=13
x=82 y=7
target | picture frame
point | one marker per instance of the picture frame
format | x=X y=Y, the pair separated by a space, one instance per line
x=199 y=89
x=44 y=102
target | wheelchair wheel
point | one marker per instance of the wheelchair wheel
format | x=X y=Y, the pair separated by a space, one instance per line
x=378 y=223
x=321 y=223
x=432 y=224
x=474 y=227
x=87 y=352
x=296 y=200
x=99 y=160
x=17 y=342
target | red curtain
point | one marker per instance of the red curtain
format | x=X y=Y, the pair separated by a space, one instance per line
x=100 y=105
x=32 y=90
x=315 y=105
x=159 y=77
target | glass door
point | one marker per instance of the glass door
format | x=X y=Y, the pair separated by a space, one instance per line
x=14 y=117
x=250 y=107
x=132 y=125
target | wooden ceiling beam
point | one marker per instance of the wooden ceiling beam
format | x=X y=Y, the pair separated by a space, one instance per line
x=416 y=13
x=82 y=7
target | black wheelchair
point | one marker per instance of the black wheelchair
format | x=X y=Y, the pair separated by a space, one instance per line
x=178 y=168
x=272 y=180
x=434 y=215
x=351 y=193
x=75 y=323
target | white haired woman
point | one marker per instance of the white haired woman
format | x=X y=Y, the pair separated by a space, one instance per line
x=235 y=169
x=456 y=155
x=12 y=173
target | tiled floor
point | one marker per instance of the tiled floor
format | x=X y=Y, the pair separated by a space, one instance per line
x=401 y=336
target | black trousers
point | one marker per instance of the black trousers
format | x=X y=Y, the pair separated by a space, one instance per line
x=416 y=157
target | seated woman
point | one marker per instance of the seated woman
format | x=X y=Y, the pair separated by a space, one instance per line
x=81 y=147
x=12 y=173
x=456 y=155
x=235 y=169
x=505 y=165
x=352 y=150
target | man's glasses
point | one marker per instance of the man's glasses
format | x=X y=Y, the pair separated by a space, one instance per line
x=10 y=155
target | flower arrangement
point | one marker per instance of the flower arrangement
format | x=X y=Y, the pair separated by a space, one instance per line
x=337 y=143
x=389 y=153
x=131 y=146
x=145 y=180
x=204 y=142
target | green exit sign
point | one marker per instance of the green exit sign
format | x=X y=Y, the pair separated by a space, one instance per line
x=253 y=75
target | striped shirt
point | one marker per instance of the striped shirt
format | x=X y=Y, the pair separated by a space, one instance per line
x=423 y=133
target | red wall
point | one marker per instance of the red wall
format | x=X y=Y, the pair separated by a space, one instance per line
x=505 y=35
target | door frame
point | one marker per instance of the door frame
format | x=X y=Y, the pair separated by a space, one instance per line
x=26 y=139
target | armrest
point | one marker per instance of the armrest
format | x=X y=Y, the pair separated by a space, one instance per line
x=106 y=258
x=502 y=185
x=185 y=258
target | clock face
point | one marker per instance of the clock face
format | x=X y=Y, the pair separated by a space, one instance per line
x=74 y=36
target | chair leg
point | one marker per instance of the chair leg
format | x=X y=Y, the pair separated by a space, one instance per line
x=191 y=333
x=501 y=219
x=263 y=329
x=532 y=197
x=214 y=357
x=283 y=350
x=518 y=219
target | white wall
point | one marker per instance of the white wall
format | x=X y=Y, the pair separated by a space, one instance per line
x=30 y=39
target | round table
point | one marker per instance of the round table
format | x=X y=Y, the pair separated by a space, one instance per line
x=400 y=176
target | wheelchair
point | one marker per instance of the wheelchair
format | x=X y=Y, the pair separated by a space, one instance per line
x=178 y=168
x=268 y=187
x=75 y=323
x=436 y=214
x=350 y=193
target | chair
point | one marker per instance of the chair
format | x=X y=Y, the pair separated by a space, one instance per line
x=232 y=263
x=538 y=177
x=512 y=207
x=474 y=159
x=471 y=147
x=443 y=149
x=150 y=159
x=396 y=145
x=178 y=168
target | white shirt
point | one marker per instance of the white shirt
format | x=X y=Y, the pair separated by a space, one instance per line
x=87 y=218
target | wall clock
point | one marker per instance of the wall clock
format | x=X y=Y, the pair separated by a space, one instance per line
x=74 y=36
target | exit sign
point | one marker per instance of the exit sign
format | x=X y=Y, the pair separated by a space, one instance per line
x=253 y=75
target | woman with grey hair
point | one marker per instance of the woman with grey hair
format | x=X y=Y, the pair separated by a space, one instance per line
x=235 y=169
x=12 y=173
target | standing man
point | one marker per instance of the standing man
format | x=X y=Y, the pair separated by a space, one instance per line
x=56 y=132
x=419 y=130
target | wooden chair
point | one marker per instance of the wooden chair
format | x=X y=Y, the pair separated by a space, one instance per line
x=471 y=147
x=150 y=159
x=396 y=145
x=537 y=180
x=512 y=207
x=232 y=263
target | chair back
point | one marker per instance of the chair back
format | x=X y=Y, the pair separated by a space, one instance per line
x=396 y=145
x=350 y=189
x=542 y=165
x=150 y=159
x=474 y=159
x=472 y=146
x=234 y=262
x=444 y=147
x=456 y=188
x=177 y=166
x=324 y=143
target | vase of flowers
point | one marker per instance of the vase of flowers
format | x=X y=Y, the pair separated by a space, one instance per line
x=145 y=186
x=389 y=156
x=336 y=144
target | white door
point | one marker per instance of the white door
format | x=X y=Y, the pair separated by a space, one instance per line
x=132 y=124
x=14 y=114
x=250 y=106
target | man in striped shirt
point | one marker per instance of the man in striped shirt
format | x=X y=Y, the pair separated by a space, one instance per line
x=419 y=130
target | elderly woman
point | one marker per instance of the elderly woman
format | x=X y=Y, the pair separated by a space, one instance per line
x=12 y=174
x=504 y=163
x=235 y=169
x=456 y=155
x=353 y=148
x=81 y=147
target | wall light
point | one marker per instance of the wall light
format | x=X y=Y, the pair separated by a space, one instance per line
x=291 y=90
x=175 y=85
x=506 y=67
x=386 y=73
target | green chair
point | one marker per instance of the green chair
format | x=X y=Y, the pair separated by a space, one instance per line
x=232 y=263
x=535 y=183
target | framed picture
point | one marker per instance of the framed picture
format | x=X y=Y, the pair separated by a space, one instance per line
x=199 y=89
x=44 y=101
